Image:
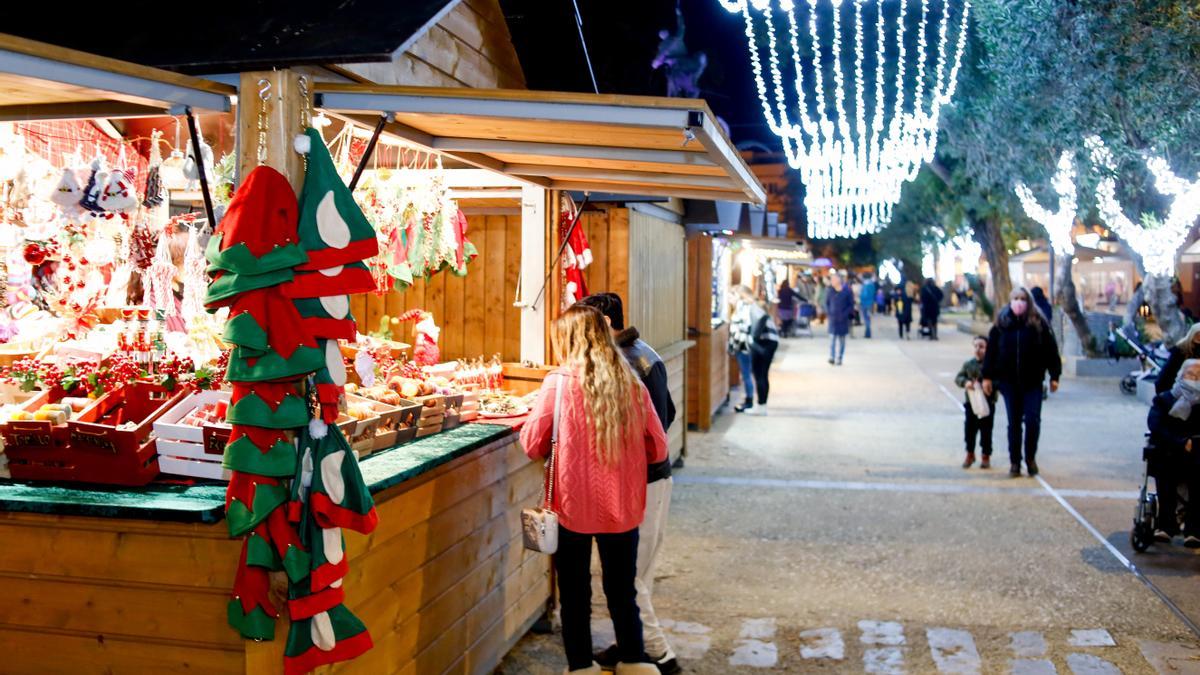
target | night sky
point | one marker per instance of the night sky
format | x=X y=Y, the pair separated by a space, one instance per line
x=622 y=38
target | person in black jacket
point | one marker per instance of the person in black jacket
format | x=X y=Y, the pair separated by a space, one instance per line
x=1021 y=350
x=653 y=373
x=931 y=307
x=1174 y=421
x=1187 y=348
x=904 y=304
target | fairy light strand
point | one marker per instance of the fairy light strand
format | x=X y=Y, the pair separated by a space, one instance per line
x=853 y=171
x=1058 y=223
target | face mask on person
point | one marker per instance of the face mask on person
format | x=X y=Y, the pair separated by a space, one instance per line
x=1019 y=306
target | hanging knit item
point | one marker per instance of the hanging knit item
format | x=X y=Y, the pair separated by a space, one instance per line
x=195 y=281
x=158 y=277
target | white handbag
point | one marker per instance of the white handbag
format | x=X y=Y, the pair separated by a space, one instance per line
x=539 y=526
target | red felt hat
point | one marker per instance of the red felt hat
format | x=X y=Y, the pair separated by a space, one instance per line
x=263 y=214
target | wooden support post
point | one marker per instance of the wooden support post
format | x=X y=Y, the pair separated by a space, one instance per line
x=535 y=230
x=284 y=103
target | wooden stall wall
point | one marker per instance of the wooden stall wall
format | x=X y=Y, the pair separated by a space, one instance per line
x=444 y=584
x=469 y=47
x=708 y=367
x=642 y=258
x=475 y=312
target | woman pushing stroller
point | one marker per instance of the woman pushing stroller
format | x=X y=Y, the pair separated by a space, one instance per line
x=1174 y=421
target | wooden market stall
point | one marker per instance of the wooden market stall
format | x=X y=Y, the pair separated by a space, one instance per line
x=137 y=580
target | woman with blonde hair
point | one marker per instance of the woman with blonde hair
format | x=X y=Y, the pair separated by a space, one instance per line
x=608 y=433
x=1187 y=348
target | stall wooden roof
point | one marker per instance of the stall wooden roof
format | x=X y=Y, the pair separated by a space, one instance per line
x=42 y=81
x=616 y=144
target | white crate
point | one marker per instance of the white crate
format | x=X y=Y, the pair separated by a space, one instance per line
x=170 y=448
x=168 y=427
x=179 y=466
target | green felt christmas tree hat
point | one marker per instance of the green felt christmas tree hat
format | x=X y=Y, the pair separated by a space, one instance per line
x=278 y=459
x=332 y=228
x=249 y=499
x=225 y=286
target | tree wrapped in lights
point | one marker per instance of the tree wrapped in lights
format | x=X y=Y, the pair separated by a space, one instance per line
x=854 y=168
x=1058 y=225
x=1157 y=242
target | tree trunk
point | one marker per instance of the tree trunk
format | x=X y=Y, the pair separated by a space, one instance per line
x=1068 y=301
x=986 y=233
x=1157 y=291
x=911 y=269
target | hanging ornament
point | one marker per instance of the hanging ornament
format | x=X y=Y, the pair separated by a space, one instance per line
x=90 y=196
x=158 y=277
x=853 y=164
x=67 y=192
x=154 y=187
x=195 y=281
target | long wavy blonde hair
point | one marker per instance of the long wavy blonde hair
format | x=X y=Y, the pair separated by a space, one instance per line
x=584 y=344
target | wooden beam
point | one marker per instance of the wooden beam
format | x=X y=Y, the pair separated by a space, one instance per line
x=488 y=145
x=283 y=123
x=650 y=190
x=77 y=111
x=619 y=178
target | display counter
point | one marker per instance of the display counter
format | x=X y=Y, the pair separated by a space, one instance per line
x=137 y=580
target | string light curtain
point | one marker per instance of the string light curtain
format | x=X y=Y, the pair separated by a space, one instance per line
x=854 y=164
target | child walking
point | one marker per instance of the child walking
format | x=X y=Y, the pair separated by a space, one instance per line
x=968 y=378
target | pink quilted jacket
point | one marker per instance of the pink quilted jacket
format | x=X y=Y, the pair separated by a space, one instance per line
x=589 y=496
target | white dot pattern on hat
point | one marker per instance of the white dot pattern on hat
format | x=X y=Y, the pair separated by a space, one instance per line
x=335 y=363
x=331 y=476
x=321 y=632
x=332 y=271
x=332 y=229
x=336 y=306
x=331 y=537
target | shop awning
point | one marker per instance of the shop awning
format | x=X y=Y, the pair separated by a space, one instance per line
x=42 y=81
x=614 y=144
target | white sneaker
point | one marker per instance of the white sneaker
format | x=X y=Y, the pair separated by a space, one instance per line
x=759 y=410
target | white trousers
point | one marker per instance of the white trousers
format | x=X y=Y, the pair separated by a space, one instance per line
x=650 y=540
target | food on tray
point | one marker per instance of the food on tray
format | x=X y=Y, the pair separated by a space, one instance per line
x=500 y=404
x=360 y=411
x=209 y=413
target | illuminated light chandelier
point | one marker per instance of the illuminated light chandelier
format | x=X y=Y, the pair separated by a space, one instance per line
x=1157 y=246
x=853 y=169
x=1058 y=223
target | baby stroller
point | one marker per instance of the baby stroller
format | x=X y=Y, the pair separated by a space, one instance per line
x=804 y=319
x=1145 y=516
x=1151 y=358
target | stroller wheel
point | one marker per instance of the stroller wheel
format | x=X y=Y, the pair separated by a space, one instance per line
x=1129 y=385
x=1139 y=539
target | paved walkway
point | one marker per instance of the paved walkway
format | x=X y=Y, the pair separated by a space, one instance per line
x=839 y=534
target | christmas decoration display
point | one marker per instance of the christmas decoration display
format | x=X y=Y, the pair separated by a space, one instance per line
x=285 y=269
x=577 y=255
x=855 y=166
x=1058 y=223
x=425 y=337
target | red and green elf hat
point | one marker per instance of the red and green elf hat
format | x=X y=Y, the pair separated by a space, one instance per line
x=327 y=637
x=345 y=279
x=250 y=367
x=275 y=545
x=225 y=286
x=339 y=497
x=333 y=230
x=328 y=317
x=267 y=405
x=249 y=499
x=275 y=457
x=250 y=610
x=263 y=320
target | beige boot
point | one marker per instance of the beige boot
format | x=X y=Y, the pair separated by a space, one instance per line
x=637 y=669
x=593 y=669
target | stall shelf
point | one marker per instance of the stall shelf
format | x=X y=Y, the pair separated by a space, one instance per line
x=137 y=580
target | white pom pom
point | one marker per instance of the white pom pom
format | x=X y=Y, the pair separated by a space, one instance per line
x=317 y=428
x=302 y=143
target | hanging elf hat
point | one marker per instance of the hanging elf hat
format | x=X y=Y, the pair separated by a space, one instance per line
x=263 y=320
x=346 y=279
x=327 y=637
x=333 y=229
x=258 y=233
x=249 y=499
x=339 y=497
x=225 y=286
x=275 y=545
x=250 y=610
x=268 y=406
x=273 y=455
x=247 y=366
x=327 y=317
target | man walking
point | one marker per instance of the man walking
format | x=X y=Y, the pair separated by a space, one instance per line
x=839 y=305
x=866 y=300
x=653 y=373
